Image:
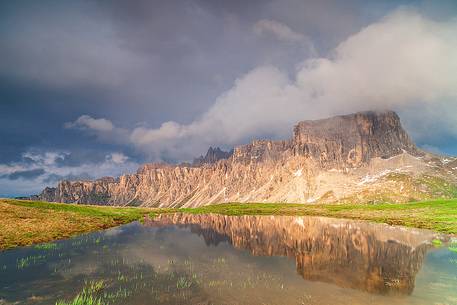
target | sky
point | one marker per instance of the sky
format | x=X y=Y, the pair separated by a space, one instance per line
x=96 y=88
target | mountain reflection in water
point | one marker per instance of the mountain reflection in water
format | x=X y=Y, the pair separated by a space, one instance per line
x=371 y=257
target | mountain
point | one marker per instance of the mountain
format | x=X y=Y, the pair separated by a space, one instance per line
x=212 y=156
x=361 y=157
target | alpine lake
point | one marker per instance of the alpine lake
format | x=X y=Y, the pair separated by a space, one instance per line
x=228 y=260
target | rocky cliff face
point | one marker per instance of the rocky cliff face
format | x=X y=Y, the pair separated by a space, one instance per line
x=352 y=140
x=370 y=257
x=360 y=157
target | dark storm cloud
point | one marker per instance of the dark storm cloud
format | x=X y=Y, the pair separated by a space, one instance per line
x=136 y=61
x=142 y=63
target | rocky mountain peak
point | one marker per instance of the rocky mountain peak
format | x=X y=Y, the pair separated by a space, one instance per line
x=351 y=140
x=212 y=156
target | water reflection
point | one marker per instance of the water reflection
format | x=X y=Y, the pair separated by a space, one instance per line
x=370 y=257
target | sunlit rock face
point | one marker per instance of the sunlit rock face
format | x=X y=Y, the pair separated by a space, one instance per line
x=362 y=157
x=371 y=257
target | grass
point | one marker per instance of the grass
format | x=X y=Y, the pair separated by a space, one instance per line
x=437 y=242
x=24 y=223
x=29 y=222
x=86 y=297
x=437 y=215
x=453 y=247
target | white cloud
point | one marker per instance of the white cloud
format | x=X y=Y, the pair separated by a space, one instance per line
x=102 y=128
x=87 y=122
x=118 y=158
x=404 y=58
x=115 y=164
x=400 y=61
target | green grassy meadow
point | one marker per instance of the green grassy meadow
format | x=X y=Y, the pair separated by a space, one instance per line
x=28 y=222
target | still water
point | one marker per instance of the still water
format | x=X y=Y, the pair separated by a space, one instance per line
x=214 y=259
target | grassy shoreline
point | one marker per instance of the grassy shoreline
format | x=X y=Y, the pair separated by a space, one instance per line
x=25 y=223
x=28 y=222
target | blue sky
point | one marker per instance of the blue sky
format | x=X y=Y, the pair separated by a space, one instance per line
x=95 y=88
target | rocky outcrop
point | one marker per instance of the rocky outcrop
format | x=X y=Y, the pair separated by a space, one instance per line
x=212 y=156
x=362 y=157
x=371 y=257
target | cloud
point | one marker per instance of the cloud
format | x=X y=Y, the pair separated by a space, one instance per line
x=118 y=158
x=25 y=174
x=71 y=47
x=39 y=169
x=77 y=158
x=52 y=179
x=403 y=60
x=249 y=108
x=279 y=30
x=87 y=122
x=102 y=128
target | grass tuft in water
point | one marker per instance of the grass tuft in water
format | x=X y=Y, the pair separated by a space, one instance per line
x=84 y=298
x=453 y=247
x=88 y=296
x=29 y=260
x=47 y=246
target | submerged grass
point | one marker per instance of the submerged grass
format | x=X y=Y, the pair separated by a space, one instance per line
x=28 y=222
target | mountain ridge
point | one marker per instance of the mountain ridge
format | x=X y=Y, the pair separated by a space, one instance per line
x=212 y=156
x=360 y=157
